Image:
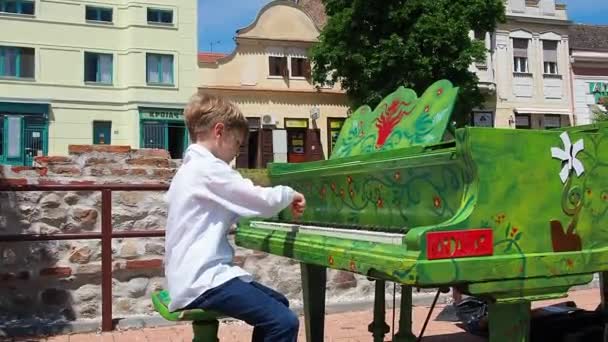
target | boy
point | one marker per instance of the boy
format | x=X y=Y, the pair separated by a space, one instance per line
x=206 y=198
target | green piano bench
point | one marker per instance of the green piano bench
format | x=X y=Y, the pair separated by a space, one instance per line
x=205 y=324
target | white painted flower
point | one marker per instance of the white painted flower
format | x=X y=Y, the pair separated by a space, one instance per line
x=568 y=154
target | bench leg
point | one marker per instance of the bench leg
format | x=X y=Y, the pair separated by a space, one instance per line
x=205 y=331
x=509 y=322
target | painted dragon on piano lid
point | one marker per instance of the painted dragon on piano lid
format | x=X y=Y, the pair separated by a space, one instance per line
x=510 y=215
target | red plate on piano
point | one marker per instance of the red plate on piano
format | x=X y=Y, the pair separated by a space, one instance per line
x=459 y=244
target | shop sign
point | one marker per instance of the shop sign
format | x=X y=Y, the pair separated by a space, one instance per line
x=162 y=114
x=296 y=123
x=483 y=120
x=598 y=90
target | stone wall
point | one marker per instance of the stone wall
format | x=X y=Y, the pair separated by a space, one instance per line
x=60 y=281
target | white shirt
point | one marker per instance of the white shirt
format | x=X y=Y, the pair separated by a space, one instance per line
x=205 y=198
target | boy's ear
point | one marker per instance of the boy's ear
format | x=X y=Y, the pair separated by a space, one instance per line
x=218 y=129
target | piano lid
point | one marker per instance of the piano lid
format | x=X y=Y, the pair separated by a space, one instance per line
x=401 y=120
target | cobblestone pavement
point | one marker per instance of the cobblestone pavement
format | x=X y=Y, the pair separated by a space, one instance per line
x=340 y=327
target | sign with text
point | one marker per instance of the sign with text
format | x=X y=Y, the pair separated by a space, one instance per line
x=598 y=90
x=296 y=123
x=162 y=114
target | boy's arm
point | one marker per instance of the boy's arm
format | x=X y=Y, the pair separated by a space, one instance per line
x=239 y=195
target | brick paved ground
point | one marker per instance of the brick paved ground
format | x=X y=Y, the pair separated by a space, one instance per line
x=343 y=327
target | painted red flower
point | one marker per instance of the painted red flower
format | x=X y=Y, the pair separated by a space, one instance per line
x=352 y=193
x=341 y=192
x=353 y=266
x=388 y=120
x=333 y=187
x=380 y=202
x=397 y=175
x=439 y=91
x=331 y=260
x=570 y=263
x=349 y=179
x=437 y=202
x=514 y=231
x=500 y=218
x=427 y=108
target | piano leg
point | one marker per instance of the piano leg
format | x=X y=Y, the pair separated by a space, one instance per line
x=604 y=298
x=378 y=327
x=314 y=279
x=405 y=317
x=509 y=322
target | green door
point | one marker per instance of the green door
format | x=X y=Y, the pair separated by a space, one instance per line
x=102 y=132
x=35 y=137
x=165 y=135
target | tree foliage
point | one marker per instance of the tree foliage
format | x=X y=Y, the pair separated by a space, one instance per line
x=600 y=114
x=372 y=47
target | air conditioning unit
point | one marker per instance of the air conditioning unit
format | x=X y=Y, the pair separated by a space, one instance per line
x=268 y=120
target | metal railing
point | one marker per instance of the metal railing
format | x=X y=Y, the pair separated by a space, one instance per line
x=106 y=235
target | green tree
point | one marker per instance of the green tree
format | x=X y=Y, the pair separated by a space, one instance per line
x=373 y=47
x=599 y=114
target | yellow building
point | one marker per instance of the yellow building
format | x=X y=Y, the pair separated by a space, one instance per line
x=103 y=71
x=268 y=77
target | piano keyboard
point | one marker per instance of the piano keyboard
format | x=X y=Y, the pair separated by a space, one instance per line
x=362 y=235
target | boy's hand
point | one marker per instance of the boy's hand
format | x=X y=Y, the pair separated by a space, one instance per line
x=298 y=205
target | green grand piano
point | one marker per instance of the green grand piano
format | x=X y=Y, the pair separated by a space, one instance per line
x=509 y=215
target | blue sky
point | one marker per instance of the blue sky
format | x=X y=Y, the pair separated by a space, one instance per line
x=219 y=19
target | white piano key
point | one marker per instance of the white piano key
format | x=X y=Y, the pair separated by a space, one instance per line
x=362 y=235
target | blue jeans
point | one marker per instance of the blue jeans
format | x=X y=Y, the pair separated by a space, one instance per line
x=262 y=307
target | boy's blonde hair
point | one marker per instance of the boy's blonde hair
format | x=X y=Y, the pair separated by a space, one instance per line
x=204 y=111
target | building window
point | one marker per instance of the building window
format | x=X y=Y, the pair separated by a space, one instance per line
x=552 y=121
x=99 y=14
x=160 y=16
x=550 y=57
x=300 y=67
x=159 y=69
x=520 y=55
x=483 y=119
x=16 y=62
x=102 y=132
x=277 y=66
x=522 y=122
x=17 y=6
x=98 y=67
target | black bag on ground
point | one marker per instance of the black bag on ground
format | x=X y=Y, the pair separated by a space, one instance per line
x=562 y=322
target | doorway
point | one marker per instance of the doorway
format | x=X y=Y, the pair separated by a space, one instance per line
x=176 y=133
x=252 y=149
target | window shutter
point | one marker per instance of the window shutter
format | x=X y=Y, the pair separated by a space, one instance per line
x=307 y=69
x=520 y=47
x=550 y=51
x=284 y=68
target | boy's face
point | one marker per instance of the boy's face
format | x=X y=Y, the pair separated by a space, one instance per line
x=229 y=143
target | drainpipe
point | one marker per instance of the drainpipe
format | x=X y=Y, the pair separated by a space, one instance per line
x=572 y=92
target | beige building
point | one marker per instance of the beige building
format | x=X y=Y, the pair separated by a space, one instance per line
x=531 y=66
x=104 y=72
x=589 y=56
x=268 y=77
